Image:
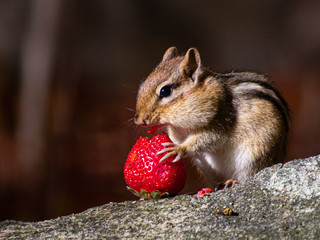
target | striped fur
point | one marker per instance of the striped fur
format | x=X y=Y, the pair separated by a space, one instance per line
x=232 y=124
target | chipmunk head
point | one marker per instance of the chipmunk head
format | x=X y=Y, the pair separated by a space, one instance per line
x=174 y=93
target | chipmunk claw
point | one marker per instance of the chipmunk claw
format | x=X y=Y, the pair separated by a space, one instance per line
x=166 y=144
x=225 y=184
x=176 y=159
x=170 y=151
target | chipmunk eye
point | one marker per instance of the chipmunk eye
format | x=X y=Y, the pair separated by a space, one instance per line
x=165 y=91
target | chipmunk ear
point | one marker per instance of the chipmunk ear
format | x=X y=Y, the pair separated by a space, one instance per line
x=170 y=53
x=191 y=62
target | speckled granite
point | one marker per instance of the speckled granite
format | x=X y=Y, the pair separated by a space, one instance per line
x=282 y=201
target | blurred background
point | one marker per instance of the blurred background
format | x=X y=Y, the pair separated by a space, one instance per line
x=70 y=70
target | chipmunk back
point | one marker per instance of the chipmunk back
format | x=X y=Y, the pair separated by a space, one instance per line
x=231 y=125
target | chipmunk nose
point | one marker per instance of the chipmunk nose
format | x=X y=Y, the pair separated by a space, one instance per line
x=138 y=121
x=136 y=116
x=144 y=122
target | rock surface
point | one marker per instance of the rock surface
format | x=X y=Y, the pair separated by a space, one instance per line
x=282 y=201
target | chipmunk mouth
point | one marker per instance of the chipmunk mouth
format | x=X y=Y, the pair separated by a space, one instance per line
x=154 y=128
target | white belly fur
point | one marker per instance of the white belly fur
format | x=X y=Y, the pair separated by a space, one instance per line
x=232 y=163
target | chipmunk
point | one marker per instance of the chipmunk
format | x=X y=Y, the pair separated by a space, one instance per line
x=231 y=124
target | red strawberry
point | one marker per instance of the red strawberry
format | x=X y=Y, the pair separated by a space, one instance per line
x=203 y=191
x=153 y=129
x=146 y=176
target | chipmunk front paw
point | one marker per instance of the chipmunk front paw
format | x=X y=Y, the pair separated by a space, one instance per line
x=170 y=149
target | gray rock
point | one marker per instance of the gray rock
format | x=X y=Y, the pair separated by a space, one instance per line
x=281 y=201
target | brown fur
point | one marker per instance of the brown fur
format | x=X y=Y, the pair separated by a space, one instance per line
x=232 y=124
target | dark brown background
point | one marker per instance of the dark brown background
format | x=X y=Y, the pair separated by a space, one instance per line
x=69 y=72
